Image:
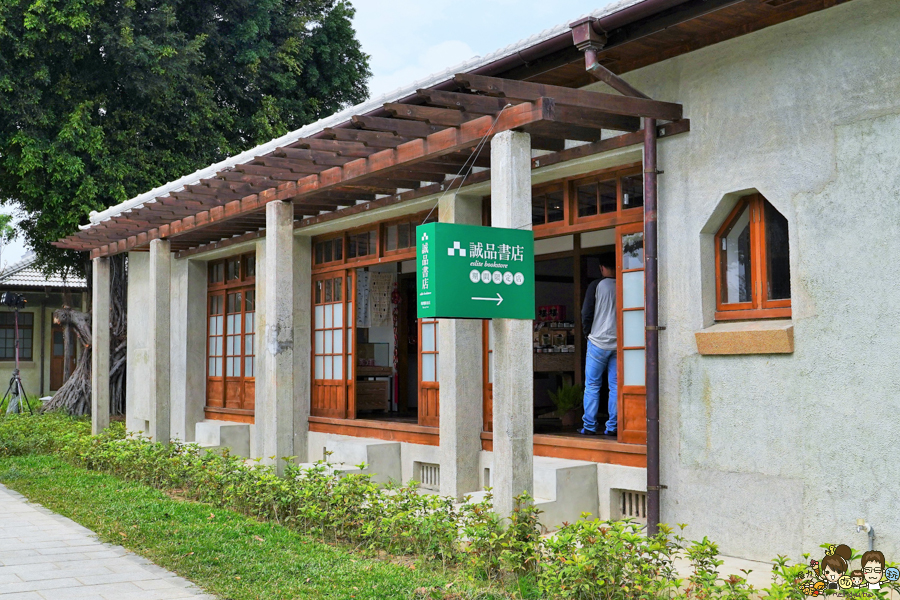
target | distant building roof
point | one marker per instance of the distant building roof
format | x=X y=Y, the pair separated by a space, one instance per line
x=23 y=274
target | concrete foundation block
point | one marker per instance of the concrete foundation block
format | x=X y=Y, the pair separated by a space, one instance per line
x=224 y=434
x=564 y=489
x=382 y=459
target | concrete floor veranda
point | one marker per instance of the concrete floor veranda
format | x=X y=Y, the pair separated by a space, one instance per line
x=44 y=556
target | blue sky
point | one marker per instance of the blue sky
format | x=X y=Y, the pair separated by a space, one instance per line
x=410 y=39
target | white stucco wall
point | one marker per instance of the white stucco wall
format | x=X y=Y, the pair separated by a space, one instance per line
x=137 y=376
x=774 y=454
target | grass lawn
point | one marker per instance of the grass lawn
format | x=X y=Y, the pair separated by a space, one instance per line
x=227 y=554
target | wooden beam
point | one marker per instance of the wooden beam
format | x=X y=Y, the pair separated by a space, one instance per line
x=609 y=103
x=350 y=149
x=614 y=81
x=399 y=127
x=485 y=105
x=372 y=139
x=294 y=165
x=447 y=117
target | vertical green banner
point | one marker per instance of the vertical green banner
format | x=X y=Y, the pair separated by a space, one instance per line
x=471 y=272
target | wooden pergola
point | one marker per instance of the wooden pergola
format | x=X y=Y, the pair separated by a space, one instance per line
x=416 y=149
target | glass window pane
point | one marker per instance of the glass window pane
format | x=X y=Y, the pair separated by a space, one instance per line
x=428 y=337
x=248 y=367
x=212 y=367
x=633 y=325
x=437 y=335
x=231 y=323
x=634 y=367
x=391 y=235
x=778 y=263
x=248 y=345
x=338 y=248
x=328 y=314
x=320 y=317
x=319 y=292
x=403 y=235
x=336 y=372
x=338 y=310
x=249 y=321
x=373 y=241
x=212 y=325
x=437 y=367
x=632 y=191
x=320 y=253
x=338 y=288
x=218 y=367
x=428 y=367
x=250 y=301
x=607 y=196
x=555 y=206
x=327 y=290
x=490 y=336
x=229 y=345
x=220 y=322
x=328 y=251
x=537 y=210
x=351 y=246
x=320 y=369
x=349 y=313
x=230 y=365
x=338 y=337
x=250 y=266
x=349 y=366
x=736 y=274
x=320 y=342
x=328 y=339
x=633 y=289
x=328 y=365
x=218 y=347
x=633 y=251
x=586 y=196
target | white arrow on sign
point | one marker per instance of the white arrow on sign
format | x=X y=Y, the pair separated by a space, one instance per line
x=498 y=299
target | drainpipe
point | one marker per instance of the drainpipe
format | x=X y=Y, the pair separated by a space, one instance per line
x=43 y=318
x=590 y=38
x=651 y=308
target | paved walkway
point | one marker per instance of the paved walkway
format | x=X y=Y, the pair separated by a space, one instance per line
x=44 y=556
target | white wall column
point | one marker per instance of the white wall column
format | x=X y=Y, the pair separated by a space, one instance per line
x=275 y=418
x=188 y=347
x=302 y=295
x=513 y=370
x=160 y=349
x=460 y=378
x=100 y=346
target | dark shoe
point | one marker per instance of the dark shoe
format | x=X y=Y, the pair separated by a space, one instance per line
x=611 y=434
x=584 y=431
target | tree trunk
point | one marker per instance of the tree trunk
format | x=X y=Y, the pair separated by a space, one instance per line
x=75 y=395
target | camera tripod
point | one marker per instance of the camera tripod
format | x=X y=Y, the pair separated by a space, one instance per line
x=15 y=393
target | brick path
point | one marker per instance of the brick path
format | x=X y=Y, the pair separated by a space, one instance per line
x=44 y=556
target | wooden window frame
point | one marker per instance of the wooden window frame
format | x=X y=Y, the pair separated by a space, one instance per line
x=22 y=337
x=244 y=283
x=759 y=307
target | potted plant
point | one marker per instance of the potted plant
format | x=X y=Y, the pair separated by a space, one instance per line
x=567 y=399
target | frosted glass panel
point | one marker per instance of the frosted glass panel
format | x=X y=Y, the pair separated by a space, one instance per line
x=248 y=367
x=320 y=317
x=212 y=367
x=338 y=314
x=328 y=364
x=248 y=323
x=350 y=313
x=338 y=361
x=232 y=319
x=428 y=337
x=437 y=367
x=349 y=367
x=633 y=324
x=229 y=346
x=491 y=367
x=218 y=347
x=327 y=342
x=349 y=340
x=490 y=336
x=320 y=370
x=428 y=373
x=633 y=289
x=319 y=342
x=634 y=367
x=248 y=345
x=328 y=319
x=437 y=336
x=212 y=326
x=338 y=337
x=231 y=365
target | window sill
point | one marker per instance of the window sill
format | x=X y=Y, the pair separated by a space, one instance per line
x=748 y=337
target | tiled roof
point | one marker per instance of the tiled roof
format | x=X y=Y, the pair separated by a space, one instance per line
x=23 y=274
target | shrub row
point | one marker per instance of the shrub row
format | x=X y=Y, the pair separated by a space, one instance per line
x=588 y=559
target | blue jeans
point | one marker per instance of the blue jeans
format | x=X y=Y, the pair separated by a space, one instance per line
x=597 y=361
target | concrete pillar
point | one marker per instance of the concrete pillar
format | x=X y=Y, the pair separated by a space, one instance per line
x=513 y=370
x=302 y=294
x=188 y=347
x=276 y=435
x=461 y=382
x=160 y=349
x=100 y=346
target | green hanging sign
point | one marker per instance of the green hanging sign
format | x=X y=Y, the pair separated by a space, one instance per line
x=471 y=272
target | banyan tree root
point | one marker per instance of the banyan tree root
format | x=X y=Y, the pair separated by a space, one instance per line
x=75 y=394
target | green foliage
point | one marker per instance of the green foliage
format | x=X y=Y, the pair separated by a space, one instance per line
x=567 y=397
x=101 y=100
x=585 y=560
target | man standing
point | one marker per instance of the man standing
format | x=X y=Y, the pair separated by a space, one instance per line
x=598 y=319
